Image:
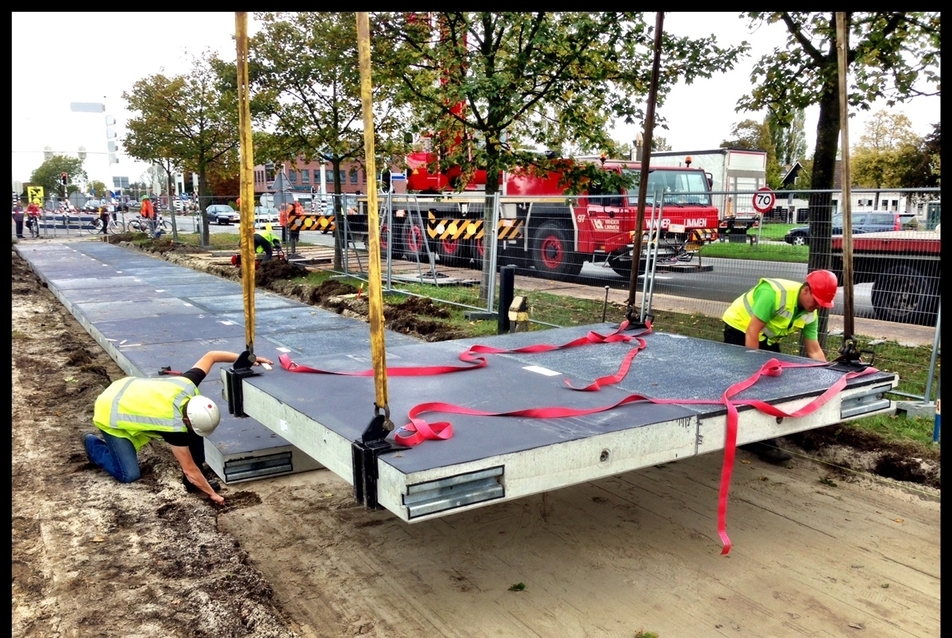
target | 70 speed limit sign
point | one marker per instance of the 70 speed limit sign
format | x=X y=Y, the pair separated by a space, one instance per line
x=764 y=199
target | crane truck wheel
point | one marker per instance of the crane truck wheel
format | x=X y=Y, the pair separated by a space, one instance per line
x=452 y=252
x=552 y=253
x=478 y=251
x=904 y=295
x=413 y=239
x=385 y=238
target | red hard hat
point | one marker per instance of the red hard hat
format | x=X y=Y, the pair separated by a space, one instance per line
x=823 y=286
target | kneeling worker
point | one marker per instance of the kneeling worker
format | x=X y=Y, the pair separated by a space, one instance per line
x=265 y=242
x=771 y=310
x=134 y=410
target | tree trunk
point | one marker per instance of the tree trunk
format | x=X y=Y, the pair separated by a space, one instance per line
x=203 y=201
x=823 y=178
x=339 y=239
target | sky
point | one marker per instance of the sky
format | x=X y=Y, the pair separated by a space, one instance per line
x=57 y=60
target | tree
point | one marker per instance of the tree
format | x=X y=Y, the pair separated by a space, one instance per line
x=492 y=88
x=49 y=174
x=882 y=156
x=187 y=122
x=919 y=164
x=748 y=134
x=752 y=135
x=890 y=55
x=504 y=84
x=627 y=149
x=97 y=189
x=304 y=72
x=789 y=139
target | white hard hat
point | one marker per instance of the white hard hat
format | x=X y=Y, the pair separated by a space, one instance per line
x=203 y=415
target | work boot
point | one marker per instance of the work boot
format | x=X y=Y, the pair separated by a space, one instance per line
x=769 y=450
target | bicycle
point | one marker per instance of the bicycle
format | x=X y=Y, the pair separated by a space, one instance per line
x=142 y=224
x=115 y=227
x=33 y=223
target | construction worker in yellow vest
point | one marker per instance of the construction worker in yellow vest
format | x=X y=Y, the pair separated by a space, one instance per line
x=265 y=242
x=771 y=310
x=133 y=411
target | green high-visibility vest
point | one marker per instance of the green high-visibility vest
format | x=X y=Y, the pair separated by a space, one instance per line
x=784 y=320
x=138 y=409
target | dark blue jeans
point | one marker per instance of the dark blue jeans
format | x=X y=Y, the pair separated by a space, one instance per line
x=114 y=454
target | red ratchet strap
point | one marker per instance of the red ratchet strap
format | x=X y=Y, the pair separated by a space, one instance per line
x=470 y=356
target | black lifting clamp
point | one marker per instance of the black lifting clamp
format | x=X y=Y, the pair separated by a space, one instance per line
x=850 y=355
x=365 y=450
x=240 y=369
x=634 y=320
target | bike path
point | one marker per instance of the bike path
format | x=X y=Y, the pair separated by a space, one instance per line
x=148 y=313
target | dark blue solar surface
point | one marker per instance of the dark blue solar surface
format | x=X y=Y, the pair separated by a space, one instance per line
x=149 y=313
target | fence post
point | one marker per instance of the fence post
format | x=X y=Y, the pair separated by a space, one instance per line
x=936 y=430
x=507 y=280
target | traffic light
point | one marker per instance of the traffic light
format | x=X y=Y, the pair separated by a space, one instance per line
x=64 y=179
x=385 y=179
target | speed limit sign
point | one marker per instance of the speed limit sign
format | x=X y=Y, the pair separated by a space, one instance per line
x=764 y=199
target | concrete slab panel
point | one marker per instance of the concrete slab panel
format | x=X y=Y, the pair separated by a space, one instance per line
x=224 y=304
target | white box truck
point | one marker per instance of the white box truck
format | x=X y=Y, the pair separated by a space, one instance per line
x=735 y=174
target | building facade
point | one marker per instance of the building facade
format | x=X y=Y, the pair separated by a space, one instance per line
x=308 y=178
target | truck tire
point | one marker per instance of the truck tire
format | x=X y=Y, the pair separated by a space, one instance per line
x=552 y=253
x=452 y=252
x=904 y=295
x=478 y=252
x=412 y=239
x=385 y=239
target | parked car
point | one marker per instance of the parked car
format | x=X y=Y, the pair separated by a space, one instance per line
x=222 y=214
x=92 y=205
x=265 y=215
x=863 y=222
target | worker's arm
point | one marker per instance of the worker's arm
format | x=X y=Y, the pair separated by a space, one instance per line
x=194 y=474
x=752 y=336
x=813 y=349
x=222 y=356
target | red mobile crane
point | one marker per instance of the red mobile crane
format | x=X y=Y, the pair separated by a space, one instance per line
x=542 y=227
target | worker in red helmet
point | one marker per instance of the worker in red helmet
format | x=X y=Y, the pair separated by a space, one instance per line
x=771 y=310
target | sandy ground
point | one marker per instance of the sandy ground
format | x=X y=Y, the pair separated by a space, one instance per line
x=816 y=551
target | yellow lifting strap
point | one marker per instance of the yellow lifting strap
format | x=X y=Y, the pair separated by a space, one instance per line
x=374 y=293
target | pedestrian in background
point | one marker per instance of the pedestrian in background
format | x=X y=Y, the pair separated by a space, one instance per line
x=104 y=219
x=33 y=217
x=770 y=311
x=18 y=219
x=298 y=210
x=148 y=212
x=283 y=221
